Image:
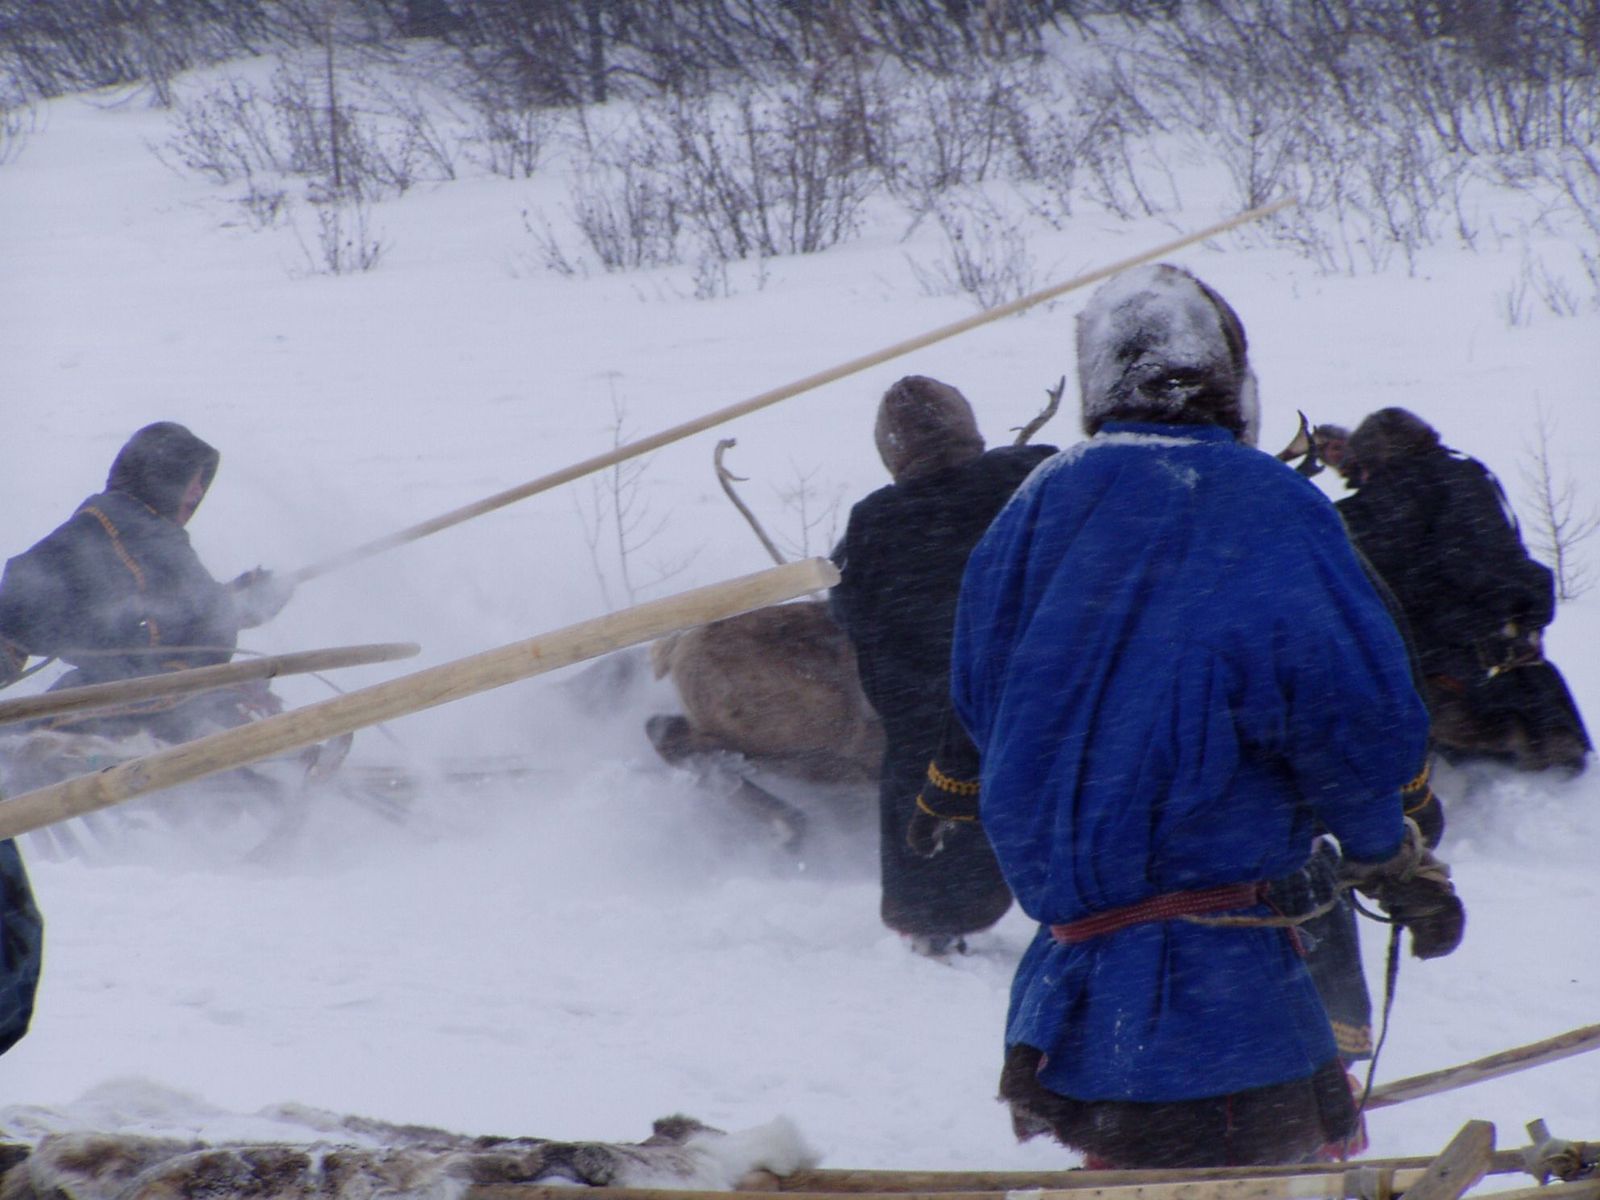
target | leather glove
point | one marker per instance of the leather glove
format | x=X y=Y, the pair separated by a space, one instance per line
x=1414 y=888
x=258 y=596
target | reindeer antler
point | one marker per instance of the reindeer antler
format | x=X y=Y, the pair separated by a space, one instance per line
x=727 y=479
x=1032 y=427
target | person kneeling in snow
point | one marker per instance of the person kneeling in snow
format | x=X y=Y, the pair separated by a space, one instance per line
x=1437 y=527
x=117 y=591
x=1176 y=674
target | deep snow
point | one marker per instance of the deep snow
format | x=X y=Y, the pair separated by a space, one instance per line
x=593 y=945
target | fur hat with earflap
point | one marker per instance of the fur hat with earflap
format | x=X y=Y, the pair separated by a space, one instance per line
x=1155 y=344
x=1391 y=434
x=925 y=426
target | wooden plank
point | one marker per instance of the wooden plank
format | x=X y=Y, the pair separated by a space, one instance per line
x=199 y=679
x=1312 y=1186
x=1461 y=1164
x=841 y=1180
x=1506 y=1062
x=1583 y=1189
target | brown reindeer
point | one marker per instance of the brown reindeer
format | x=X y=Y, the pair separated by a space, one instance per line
x=775 y=690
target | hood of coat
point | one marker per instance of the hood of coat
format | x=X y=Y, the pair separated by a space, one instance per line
x=1389 y=435
x=1155 y=344
x=925 y=426
x=156 y=465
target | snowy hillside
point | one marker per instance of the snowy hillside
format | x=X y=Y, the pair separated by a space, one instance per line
x=576 y=951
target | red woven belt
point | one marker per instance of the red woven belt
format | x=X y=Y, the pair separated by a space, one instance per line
x=1158 y=908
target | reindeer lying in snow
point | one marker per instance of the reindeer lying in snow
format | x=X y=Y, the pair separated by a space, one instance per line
x=774 y=689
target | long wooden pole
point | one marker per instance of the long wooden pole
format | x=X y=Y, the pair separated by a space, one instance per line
x=1309 y=1186
x=409 y=694
x=722 y=415
x=199 y=679
x=1506 y=1062
x=837 y=1181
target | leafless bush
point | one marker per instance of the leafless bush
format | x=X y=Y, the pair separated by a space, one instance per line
x=343 y=133
x=987 y=258
x=53 y=47
x=953 y=131
x=551 y=255
x=770 y=172
x=510 y=137
x=345 y=244
x=16 y=122
x=1561 y=524
x=628 y=216
x=618 y=526
x=815 y=515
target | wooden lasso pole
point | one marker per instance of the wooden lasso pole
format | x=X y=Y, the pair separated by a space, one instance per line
x=722 y=415
x=408 y=694
x=198 y=679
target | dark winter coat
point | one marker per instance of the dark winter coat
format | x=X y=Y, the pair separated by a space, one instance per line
x=120 y=574
x=1435 y=525
x=900 y=562
x=1176 y=672
x=21 y=947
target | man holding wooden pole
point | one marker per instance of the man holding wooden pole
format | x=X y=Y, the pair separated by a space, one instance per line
x=117 y=591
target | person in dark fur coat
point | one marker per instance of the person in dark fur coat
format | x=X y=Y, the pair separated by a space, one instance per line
x=117 y=591
x=1435 y=524
x=21 y=947
x=900 y=568
x=1177 y=674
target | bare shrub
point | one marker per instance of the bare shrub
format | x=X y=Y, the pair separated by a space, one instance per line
x=771 y=172
x=987 y=255
x=814 y=515
x=550 y=254
x=54 y=47
x=1561 y=522
x=628 y=216
x=618 y=525
x=344 y=133
x=510 y=137
x=952 y=131
x=345 y=244
x=16 y=123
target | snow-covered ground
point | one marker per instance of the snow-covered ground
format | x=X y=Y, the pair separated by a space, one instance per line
x=593 y=945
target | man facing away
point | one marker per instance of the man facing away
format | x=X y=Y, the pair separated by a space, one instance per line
x=900 y=568
x=1177 y=675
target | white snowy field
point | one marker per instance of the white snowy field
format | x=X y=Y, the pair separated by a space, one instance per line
x=593 y=945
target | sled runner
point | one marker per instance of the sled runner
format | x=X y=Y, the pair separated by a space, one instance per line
x=235 y=815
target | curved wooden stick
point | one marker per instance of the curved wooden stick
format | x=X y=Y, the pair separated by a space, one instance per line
x=722 y=415
x=199 y=679
x=408 y=694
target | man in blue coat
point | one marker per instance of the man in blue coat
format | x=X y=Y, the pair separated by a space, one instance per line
x=1178 y=675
